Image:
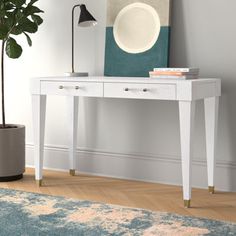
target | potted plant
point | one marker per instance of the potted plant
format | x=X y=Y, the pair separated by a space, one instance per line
x=17 y=17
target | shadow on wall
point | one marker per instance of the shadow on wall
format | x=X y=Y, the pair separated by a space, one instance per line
x=178 y=49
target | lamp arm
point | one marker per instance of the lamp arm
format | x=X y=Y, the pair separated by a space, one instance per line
x=73 y=36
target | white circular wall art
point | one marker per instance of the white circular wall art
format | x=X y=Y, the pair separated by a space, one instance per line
x=137 y=28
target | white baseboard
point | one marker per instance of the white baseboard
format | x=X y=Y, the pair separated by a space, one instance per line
x=144 y=167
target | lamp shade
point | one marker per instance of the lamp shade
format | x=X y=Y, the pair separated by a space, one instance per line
x=86 y=19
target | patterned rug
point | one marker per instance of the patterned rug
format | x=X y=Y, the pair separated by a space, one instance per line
x=26 y=214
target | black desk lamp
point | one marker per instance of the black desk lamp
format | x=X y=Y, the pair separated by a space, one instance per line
x=85 y=20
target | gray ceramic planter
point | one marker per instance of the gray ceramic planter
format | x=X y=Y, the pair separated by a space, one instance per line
x=12 y=153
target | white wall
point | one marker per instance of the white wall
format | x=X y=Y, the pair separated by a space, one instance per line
x=129 y=138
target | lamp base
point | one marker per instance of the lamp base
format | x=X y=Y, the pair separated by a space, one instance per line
x=77 y=74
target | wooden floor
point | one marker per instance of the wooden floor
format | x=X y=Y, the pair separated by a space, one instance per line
x=151 y=196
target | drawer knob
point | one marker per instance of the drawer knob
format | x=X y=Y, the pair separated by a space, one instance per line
x=145 y=90
x=77 y=87
x=61 y=87
x=126 y=89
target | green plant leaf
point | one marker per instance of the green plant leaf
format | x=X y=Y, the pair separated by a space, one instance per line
x=13 y=49
x=8 y=22
x=19 y=14
x=2 y=13
x=27 y=26
x=3 y=31
x=37 y=19
x=4 y=8
x=16 y=30
x=9 y=6
x=28 y=39
x=18 y=3
x=30 y=10
x=33 y=2
x=2 y=5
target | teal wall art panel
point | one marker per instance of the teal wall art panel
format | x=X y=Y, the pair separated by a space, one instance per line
x=137 y=37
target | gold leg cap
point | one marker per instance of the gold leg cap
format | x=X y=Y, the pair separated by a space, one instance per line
x=187 y=203
x=72 y=172
x=211 y=189
x=39 y=182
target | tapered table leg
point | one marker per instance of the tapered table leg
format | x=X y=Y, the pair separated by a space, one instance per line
x=211 y=124
x=186 y=114
x=39 y=112
x=72 y=103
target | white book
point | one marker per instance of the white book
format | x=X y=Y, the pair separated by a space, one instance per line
x=185 y=77
x=191 y=70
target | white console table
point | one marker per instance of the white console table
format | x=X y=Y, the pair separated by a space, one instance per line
x=186 y=92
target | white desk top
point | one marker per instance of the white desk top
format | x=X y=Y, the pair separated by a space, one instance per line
x=103 y=79
x=180 y=89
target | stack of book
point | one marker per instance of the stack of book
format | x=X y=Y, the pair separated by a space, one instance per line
x=174 y=73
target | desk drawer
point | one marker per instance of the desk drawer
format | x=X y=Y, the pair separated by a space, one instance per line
x=140 y=91
x=83 y=89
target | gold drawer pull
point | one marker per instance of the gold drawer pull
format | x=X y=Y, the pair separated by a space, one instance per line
x=62 y=87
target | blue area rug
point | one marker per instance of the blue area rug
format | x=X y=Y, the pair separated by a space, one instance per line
x=26 y=214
